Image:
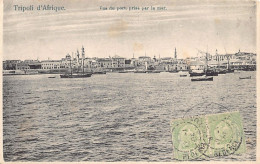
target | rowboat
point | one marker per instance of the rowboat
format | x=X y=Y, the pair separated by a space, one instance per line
x=249 y=77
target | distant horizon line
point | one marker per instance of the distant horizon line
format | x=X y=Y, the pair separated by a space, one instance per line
x=131 y=57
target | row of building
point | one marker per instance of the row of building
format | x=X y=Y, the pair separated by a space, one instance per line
x=143 y=62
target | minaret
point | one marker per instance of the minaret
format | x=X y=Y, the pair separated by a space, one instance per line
x=78 y=57
x=175 y=53
x=83 y=52
x=217 y=57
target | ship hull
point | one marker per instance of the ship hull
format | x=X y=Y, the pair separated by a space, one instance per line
x=203 y=79
x=76 y=76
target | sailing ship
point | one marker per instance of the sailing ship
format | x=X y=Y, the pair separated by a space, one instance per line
x=206 y=75
x=78 y=74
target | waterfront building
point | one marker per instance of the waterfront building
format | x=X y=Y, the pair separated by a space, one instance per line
x=182 y=65
x=134 y=62
x=245 y=56
x=143 y=60
x=22 y=66
x=128 y=63
x=104 y=63
x=69 y=62
x=28 y=64
x=118 y=62
x=196 y=65
x=51 y=64
x=33 y=64
x=10 y=64
x=167 y=60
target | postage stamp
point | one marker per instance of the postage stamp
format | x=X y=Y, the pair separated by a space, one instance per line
x=203 y=137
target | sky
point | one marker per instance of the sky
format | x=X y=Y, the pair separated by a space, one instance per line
x=189 y=26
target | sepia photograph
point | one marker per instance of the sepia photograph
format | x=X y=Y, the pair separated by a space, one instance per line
x=129 y=81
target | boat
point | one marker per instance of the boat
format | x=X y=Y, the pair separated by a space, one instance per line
x=122 y=72
x=174 y=71
x=140 y=71
x=196 y=73
x=99 y=72
x=183 y=75
x=153 y=71
x=211 y=73
x=77 y=75
x=52 y=77
x=249 y=77
x=222 y=71
x=230 y=71
x=206 y=72
x=203 y=78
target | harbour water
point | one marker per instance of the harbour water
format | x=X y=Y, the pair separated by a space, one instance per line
x=115 y=117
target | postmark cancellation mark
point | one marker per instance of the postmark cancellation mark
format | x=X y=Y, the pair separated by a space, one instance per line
x=202 y=137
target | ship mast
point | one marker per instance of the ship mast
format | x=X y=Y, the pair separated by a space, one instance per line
x=206 y=62
x=227 y=59
x=70 y=67
x=78 y=59
x=83 y=58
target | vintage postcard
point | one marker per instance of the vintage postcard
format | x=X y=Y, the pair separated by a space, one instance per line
x=129 y=81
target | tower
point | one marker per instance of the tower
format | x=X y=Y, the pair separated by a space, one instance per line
x=78 y=56
x=175 y=53
x=83 y=52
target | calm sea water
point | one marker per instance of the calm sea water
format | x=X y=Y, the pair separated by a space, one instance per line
x=115 y=117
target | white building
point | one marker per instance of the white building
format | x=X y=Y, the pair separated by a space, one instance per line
x=50 y=64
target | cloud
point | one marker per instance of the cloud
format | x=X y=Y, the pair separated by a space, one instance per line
x=183 y=23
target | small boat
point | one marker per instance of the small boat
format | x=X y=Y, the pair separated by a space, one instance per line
x=52 y=77
x=211 y=73
x=196 y=74
x=222 y=71
x=154 y=71
x=76 y=75
x=249 y=77
x=183 y=75
x=99 y=72
x=175 y=71
x=122 y=72
x=202 y=78
x=139 y=71
x=230 y=71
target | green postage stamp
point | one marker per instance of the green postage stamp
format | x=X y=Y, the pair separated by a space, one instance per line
x=204 y=137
